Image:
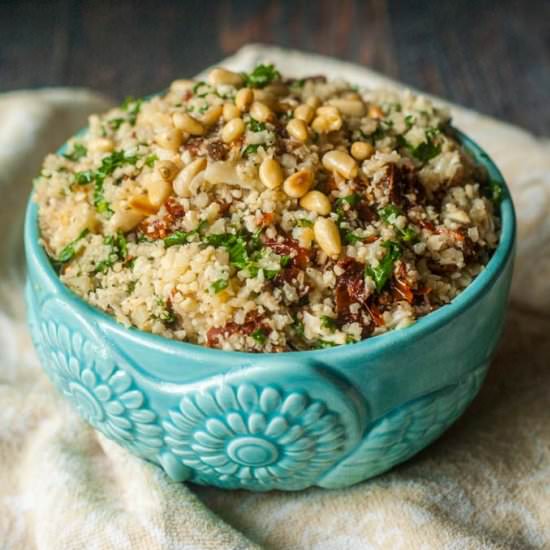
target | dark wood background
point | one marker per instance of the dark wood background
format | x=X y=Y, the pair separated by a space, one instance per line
x=491 y=55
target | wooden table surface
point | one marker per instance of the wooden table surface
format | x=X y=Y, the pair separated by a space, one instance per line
x=493 y=56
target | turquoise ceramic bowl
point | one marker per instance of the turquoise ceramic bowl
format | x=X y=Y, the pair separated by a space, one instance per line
x=329 y=418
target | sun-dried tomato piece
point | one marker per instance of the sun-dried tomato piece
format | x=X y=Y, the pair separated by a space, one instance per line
x=401 y=286
x=217 y=150
x=266 y=219
x=174 y=208
x=375 y=313
x=253 y=322
x=365 y=212
x=299 y=256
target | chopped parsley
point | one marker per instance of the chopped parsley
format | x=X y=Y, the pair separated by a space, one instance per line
x=256 y=125
x=78 y=151
x=243 y=254
x=349 y=237
x=69 y=251
x=183 y=237
x=328 y=323
x=219 y=285
x=424 y=151
x=166 y=315
x=259 y=335
x=85 y=177
x=202 y=89
x=118 y=252
x=261 y=76
x=495 y=192
x=389 y=214
x=108 y=165
x=285 y=261
x=250 y=149
x=297 y=85
x=132 y=107
x=150 y=160
x=383 y=271
x=352 y=200
x=304 y=222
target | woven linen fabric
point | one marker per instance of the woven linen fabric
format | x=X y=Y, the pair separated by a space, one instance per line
x=484 y=484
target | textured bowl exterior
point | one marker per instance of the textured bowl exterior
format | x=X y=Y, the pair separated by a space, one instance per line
x=287 y=421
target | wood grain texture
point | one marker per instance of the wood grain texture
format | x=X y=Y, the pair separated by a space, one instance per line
x=488 y=55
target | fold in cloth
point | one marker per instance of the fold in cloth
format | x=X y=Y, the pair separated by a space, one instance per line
x=484 y=484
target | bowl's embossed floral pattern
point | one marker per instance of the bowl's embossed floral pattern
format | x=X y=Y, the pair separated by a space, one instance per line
x=254 y=437
x=104 y=394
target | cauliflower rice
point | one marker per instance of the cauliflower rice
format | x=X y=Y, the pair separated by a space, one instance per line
x=257 y=213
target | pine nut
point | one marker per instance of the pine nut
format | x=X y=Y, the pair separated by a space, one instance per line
x=166 y=169
x=327 y=236
x=186 y=123
x=126 y=220
x=271 y=173
x=184 y=178
x=142 y=204
x=170 y=139
x=230 y=111
x=305 y=113
x=260 y=111
x=244 y=98
x=306 y=237
x=220 y=75
x=341 y=163
x=325 y=124
x=328 y=111
x=212 y=115
x=181 y=86
x=317 y=202
x=361 y=150
x=262 y=96
x=298 y=184
x=158 y=190
x=297 y=129
x=233 y=130
x=375 y=111
x=350 y=107
x=101 y=145
x=313 y=101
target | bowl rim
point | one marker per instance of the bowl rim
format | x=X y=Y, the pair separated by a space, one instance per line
x=432 y=321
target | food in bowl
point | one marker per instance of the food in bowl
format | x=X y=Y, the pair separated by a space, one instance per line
x=258 y=213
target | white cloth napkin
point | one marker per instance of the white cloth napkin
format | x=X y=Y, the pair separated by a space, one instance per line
x=484 y=484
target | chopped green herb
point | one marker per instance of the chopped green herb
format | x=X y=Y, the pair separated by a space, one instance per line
x=219 y=285
x=256 y=125
x=389 y=214
x=496 y=192
x=328 y=323
x=69 y=251
x=77 y=152
x=270 y=274
x=130 y=287
x=118 y=252
x=250 y=149
x=83 y=178
x=183 y=237
x=243 y=254
x=116 y=123
x=424 y=151
x=304 y=222
x=202 y=89
x=150 y=160
x=285 y=261
x=383 y=271
x=259 y=335
x=350 y=237
x=166 y=315
x=409 y=121
x=297 y=84
x=108 y=166
x=261 y=76
x=325 y=344
x=352 y=200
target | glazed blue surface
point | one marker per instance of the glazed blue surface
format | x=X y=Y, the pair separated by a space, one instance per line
x=330 y=417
